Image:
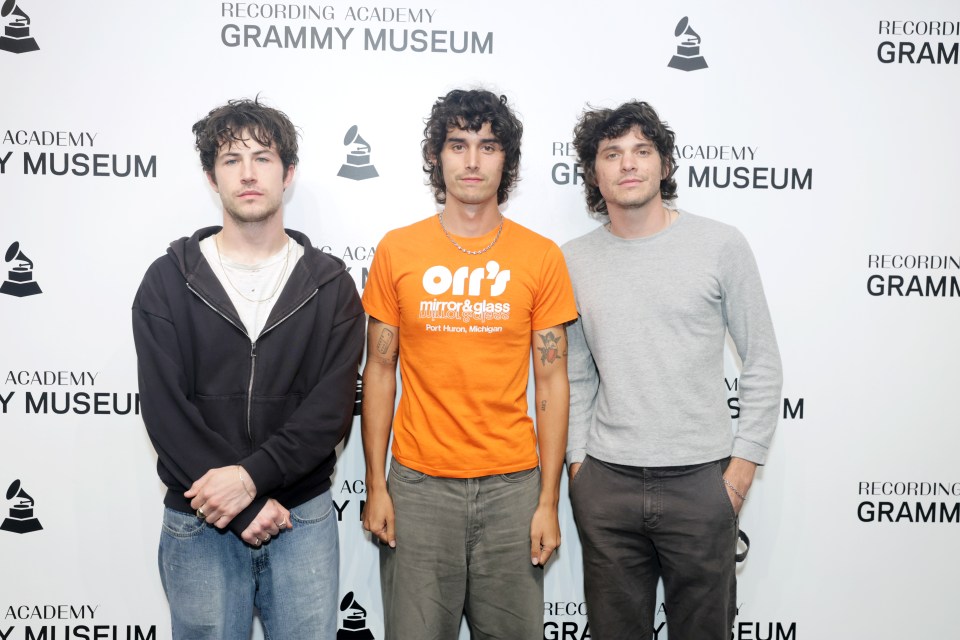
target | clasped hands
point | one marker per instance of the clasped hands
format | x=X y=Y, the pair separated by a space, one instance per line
x=220 y=494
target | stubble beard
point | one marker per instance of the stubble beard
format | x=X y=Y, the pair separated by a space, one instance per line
x=468 y=197
x=254 y=218
x=637 y=203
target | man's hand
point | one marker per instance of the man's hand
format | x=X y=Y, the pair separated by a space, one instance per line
x=740 y=474
x=378 y=516
x=220 y=494
x=544 y=534
x=271 y=520
x=573 y=469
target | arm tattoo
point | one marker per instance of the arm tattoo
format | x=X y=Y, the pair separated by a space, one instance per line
x=543 y=405
x=550 y=351
x=383 y=343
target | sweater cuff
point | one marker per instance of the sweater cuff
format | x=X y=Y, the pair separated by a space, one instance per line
x=264 y=472
x=749 y=451
x=575 y=456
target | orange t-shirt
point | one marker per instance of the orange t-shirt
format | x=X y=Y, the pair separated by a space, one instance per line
x=465 y=324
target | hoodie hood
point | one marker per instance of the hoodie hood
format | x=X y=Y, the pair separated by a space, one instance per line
x=310 y=273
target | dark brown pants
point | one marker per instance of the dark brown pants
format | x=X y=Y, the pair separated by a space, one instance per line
x=640 y=524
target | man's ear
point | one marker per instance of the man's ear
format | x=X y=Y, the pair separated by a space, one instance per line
x=212 y=179
x=288 y=175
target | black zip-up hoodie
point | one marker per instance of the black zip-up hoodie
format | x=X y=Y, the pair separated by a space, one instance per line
x=211 y=398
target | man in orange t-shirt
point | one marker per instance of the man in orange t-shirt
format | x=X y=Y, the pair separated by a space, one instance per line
x=469 y=518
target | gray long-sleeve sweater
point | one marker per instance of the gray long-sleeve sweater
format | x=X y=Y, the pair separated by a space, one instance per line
x=646 y=354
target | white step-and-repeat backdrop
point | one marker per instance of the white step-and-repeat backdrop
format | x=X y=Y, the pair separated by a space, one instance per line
x=827 y=133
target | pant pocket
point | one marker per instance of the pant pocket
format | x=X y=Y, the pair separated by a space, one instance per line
x=181 y=525
x=314 y=510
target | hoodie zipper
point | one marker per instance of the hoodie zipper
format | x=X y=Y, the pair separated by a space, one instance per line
x=253 y=369
x=253 y=359
x=253 y=347
x=299 y=306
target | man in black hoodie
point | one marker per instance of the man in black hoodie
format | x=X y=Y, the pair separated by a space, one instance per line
x=248 y=343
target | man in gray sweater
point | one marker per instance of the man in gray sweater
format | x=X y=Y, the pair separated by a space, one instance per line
x=658 y=478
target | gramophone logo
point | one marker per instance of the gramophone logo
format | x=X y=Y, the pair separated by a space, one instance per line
x=19 y=282
x=357 y=166
x=354 y=626
x=21 y=518
x=16 y=33
x=688 y=56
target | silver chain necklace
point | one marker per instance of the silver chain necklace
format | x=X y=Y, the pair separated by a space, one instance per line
x=467 y=251
x=286 y=263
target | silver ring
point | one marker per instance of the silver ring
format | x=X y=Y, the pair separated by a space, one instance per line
x=201 y=514
x=282 y=522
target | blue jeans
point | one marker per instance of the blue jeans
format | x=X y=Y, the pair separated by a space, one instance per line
x=213 y=580
x=463 y=548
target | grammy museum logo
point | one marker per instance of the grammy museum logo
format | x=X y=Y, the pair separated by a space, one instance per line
x=354 y=622
x=21 y=518
x=19 y=282
x=357 y=165
x=16 y=36
x=688 y=56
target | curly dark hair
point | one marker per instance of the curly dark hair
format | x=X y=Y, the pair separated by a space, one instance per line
x=470 y=110
x=597 y=125
x=239 y=118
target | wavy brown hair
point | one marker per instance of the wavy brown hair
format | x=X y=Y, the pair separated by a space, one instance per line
x=245 y=118
x=597 y=125
x=470 y=110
